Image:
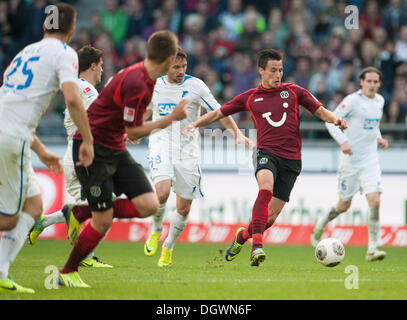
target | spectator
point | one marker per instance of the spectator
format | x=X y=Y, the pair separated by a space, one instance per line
x=96 y=28
x=138 y=18
x=279 y=28
x=370 y=18
x=160 y=23
x=250 y=29
x=329 y=76
x=173 y=14
x=203 y=8
x=231 y=18
x=394 y=15
x=401 y=45
x=131 y=55
x=33 y=21
x=193 y=30
x=115 y=21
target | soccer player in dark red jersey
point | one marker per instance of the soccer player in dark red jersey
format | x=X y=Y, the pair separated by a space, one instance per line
x=274 y=107
x=117 y=114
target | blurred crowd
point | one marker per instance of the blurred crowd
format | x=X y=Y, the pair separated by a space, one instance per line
x=222 y=37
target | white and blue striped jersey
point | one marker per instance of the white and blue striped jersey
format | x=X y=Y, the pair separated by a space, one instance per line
x=363 y=116
x=33 y=77
x=165 y=97
x=88 y=94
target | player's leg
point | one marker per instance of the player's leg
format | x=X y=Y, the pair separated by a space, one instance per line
x=20 y=206
x=162 y=189
x=348 y=186
x=372 y=188
x=177 y=225
x=275 y=207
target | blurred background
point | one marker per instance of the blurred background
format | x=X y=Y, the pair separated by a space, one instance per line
x=221 y=38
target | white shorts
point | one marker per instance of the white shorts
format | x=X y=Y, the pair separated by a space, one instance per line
x=17 y=178
x=352 y=179
x=185 y=174
x=73 y=185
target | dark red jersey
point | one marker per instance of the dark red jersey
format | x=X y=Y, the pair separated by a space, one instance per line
x=276 y=116
x=121 y=103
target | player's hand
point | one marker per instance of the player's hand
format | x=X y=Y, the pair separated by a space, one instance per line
x=51 y=161
x=180 y=111
x=131 y=141
x=86 y=154
x=187 y=129
x=346 y=149
x=383 y=143
x=242 y=139
x=341 y=123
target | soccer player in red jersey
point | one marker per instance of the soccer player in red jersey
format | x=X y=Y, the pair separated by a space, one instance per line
x=274 y=107
x=117 y=114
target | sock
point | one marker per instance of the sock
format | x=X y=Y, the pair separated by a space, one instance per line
x=88 y=239
x=53 y=218
x=178 y=224
x=82 y=213
x=246 y=234
x=158 y=219
x=12 y=241
x=326 y=217
x=122 y=209
x=259 y=217
x=373 y=225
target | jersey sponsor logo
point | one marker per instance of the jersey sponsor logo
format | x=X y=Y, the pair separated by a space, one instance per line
x=370 y=124
x=284 y=94
x=129 y=114
x=164 y=109
x=258 y=99
x=274 y=123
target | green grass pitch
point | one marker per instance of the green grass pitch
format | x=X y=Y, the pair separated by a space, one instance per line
x=199 y=272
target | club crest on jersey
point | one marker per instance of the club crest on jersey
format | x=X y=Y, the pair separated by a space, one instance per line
x=184 y=93
x=284 y=94
x=129 y=114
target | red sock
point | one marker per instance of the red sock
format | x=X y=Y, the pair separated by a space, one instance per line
x=82 y=213
x=122 y=209
x=246 y=234
x=88 y=239
x=259 y=217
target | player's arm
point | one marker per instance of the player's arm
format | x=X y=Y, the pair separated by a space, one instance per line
x=145 y=128
x=80 y=118
x=204 y=120
x=330 y=117
x=46 y=156
x=240 y=138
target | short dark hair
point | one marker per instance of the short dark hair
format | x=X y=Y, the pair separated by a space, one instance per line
x=366 y=70
x=268 y=54
x=181 y=54
x=66 y=19
x=161 y=45
x=88 y=55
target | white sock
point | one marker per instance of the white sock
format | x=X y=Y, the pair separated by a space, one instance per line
x=12 y=241
x=53 y=218
x=326 y=217
x=373 y=225
x=176 y=227
x=158 y=219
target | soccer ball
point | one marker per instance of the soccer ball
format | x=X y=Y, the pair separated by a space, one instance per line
x=330 y=252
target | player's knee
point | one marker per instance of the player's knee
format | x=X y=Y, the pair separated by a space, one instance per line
x=163 y=196
x=149 y=208
x=8 y=223
x=184 y=211
x=374 y=203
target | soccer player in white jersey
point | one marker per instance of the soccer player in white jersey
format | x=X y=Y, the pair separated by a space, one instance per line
x=359 y=168
x=33 y=77
x=90 y=74
x=174 y=159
